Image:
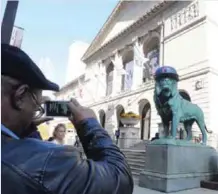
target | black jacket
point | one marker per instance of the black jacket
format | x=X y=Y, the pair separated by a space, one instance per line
x=31 y=166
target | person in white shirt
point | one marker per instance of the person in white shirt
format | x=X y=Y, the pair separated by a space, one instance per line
x=59 y=134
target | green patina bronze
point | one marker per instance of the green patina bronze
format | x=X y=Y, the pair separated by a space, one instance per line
x=174 y=109
x=175 y=142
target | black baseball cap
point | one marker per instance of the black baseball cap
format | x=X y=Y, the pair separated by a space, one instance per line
x=17 y=64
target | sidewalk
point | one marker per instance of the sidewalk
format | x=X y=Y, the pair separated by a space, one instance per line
x=140 y=190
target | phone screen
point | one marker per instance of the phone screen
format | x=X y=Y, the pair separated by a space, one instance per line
x=57 y=109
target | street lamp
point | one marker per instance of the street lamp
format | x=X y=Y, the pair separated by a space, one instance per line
x=8 y=21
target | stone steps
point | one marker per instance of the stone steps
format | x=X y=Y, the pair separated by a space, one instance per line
x=136 y=161
x=135 y=157
x=140 y=146
x=135 y=177
x=136 y=165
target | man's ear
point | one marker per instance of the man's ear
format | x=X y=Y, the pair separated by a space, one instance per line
x=19 y=96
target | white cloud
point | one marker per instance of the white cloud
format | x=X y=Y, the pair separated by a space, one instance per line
x=75 y=66
x=47 y=67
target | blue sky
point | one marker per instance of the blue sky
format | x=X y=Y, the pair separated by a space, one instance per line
x=52 y=25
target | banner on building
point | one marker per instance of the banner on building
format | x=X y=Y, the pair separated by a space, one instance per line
x=129 y=75
x=153 y=63
x=17 y=36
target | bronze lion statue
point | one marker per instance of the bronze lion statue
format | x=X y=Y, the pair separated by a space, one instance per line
x=173 y=108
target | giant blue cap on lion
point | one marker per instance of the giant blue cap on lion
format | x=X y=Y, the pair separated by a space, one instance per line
x=166 y=71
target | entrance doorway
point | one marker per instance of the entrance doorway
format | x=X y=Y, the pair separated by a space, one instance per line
x=119 y=110
x=102 y=118
x=145 y=123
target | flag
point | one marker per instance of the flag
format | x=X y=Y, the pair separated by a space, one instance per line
x=121 y=71
x=80 y=89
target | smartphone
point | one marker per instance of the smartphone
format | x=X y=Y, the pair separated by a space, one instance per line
x=57 y=109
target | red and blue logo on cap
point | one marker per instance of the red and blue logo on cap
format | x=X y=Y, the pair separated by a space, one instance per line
x=164 y=70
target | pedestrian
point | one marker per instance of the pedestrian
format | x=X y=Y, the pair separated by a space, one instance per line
x=77 y=141
x=32 y=166
x=117 y=135
x=156 y=137
x=59 y=134
x=199 y=138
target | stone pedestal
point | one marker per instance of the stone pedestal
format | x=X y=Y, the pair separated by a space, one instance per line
x=176 y=167
x=129 y=136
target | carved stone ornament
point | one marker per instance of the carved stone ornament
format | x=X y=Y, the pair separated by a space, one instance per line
x=199 y=84
x=185 y=15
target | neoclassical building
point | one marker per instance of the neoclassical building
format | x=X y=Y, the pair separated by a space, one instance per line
x=140 y=36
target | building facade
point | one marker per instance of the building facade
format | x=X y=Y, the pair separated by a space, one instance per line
x=140 y=36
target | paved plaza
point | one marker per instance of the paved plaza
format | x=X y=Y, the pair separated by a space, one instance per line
x=140 y=190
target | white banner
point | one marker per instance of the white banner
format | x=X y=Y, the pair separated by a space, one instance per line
x=17 y=36
x=129 y=75
x=153 y=63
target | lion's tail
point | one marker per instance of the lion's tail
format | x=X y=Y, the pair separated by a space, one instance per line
x=207 y=130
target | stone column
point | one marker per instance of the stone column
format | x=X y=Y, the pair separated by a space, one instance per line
x=110 y=119
x=138 y=66
x=162 y=36
x=117 y=77
x=101 y=80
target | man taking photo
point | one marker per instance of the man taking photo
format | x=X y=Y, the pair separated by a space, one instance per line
x=31 y=166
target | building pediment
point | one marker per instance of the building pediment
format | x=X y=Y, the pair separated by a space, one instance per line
x=124 y=15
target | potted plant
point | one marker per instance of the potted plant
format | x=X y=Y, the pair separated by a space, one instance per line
x=129 y=119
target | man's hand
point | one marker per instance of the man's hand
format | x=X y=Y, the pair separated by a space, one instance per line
x=79 y=113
